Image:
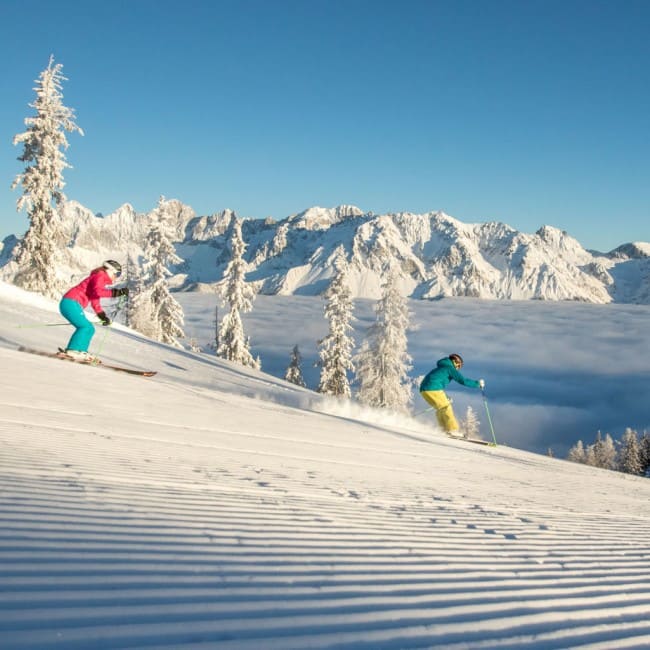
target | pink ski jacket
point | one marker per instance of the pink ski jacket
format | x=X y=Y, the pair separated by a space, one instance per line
x=92 y=289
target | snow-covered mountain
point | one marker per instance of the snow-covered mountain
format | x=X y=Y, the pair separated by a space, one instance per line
x=436 y=254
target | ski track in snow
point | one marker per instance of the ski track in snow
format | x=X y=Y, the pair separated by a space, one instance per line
x=110 y=541
x=154 y=513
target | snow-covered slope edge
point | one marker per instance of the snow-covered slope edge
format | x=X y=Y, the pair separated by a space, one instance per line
x=436 y=255
x=212 y=507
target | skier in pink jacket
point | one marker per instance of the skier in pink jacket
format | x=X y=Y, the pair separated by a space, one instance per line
x=73 y=303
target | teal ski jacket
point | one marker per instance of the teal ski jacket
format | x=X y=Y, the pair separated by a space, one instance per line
x=442 y=374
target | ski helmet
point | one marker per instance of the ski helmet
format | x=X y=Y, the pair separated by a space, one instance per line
x=456 y=359
x=113 y=266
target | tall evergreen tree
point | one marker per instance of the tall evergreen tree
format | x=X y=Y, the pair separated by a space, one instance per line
x=139 y=306
x=383 y=362
x=42 y=182
x=629 y=456
x=294 y=370
x=335 y=350
x=234 y=345
x=644 y=453
x=134 y=283
x=166 y=314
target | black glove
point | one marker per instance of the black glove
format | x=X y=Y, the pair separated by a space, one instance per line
x=104 y=318
x=122 y=291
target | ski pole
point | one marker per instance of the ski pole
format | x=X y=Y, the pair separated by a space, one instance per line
x=487 y=411
x=121 y=303
x=103 y=339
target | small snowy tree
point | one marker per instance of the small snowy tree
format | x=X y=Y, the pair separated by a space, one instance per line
x=629 y=455
x=294 y=371
x=195 y=345
x=577 y=453
x=471 y=425
x=590 y=456
x=604 y=452
x=42 y=181
x=335 y=350
x=234 y=345
x=165 y=312
x=383 y=362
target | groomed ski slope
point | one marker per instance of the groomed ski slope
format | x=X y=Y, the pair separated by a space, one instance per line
x=216 y=507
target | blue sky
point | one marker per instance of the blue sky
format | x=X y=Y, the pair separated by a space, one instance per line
x=527 y=112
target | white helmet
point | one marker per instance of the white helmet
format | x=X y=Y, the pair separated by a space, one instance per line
x=112 y=265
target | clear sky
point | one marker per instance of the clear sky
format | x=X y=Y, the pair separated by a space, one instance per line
x=529 y=112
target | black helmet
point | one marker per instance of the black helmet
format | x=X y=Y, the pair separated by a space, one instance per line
x=456 y=359
x=114 y=266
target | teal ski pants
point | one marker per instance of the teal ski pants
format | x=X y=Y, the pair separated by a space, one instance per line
x=73 y=312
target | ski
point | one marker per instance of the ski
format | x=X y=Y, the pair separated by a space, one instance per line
x=101 y=364
x=485 y=443
x=476 y=441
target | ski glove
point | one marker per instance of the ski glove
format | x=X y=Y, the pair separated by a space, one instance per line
x=123 y=291
x=104 y=318
x=481 y=383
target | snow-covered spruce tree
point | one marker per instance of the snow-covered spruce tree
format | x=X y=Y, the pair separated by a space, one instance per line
x=629 y=455
x=577 y=453
x=194 y=345
x=335 y=350
x=644 y=453
x=294 y=370
x=138 y=310
x=383 y=362
x=604 y=452
x=590 y=456
x=42 y=181
x=134 y=284
x=236 y=293
x=165 y=313
x=471 y=425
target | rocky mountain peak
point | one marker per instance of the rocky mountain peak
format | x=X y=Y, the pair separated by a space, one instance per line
x=435 y=254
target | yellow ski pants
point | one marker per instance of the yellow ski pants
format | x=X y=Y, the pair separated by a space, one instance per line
x=440 y=402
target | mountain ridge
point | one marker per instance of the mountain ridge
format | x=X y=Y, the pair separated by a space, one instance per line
x=436 y=255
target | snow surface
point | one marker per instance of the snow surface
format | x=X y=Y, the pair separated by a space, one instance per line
x=214 y=506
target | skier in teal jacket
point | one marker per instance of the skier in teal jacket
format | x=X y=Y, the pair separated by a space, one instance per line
x=433 y=385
